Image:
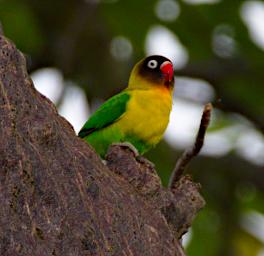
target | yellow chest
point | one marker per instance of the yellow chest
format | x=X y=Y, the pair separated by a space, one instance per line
x=147 y=114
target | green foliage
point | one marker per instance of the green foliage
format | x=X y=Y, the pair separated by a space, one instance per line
x=20 y=23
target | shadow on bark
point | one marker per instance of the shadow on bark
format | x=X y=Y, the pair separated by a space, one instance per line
x=58 y=198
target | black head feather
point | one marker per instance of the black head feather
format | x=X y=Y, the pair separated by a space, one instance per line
x=150 y=69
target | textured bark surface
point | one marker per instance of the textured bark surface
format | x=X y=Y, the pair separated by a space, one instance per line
x=58 y=198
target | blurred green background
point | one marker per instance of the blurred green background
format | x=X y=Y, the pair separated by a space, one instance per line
x=80 y=53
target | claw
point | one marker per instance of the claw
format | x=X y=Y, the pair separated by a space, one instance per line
x=129 y=145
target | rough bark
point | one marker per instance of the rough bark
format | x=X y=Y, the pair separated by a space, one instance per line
x=58 y=198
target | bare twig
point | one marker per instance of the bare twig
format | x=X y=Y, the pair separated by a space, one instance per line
x=188 y=154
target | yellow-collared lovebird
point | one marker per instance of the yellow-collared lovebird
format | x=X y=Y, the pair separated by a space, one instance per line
x=139 y=114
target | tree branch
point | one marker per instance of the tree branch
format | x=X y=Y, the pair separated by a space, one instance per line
x=58 y=198
x=187 y=156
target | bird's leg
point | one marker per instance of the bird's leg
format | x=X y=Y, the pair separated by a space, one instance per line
x=129 y=145
x=138 y=157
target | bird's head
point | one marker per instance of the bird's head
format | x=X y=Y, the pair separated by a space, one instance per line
x=152 y=71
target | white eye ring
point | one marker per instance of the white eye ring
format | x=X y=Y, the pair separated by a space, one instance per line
x=152 y=64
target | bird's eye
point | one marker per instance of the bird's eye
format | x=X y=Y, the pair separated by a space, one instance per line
x=152 y=64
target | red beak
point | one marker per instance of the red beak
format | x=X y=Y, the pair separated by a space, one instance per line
x=167 y=70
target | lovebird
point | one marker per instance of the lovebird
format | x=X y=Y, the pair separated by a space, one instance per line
x=137 y=116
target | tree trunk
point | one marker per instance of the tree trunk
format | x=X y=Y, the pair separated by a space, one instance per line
x=58 y=198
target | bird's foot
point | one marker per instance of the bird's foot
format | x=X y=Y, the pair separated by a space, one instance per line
x=129 y=145
x=145 y=161
x=104 y=162
x=138 y=157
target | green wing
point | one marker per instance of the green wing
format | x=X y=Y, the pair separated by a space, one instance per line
x=108 y=113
